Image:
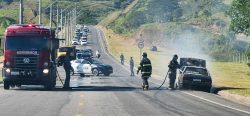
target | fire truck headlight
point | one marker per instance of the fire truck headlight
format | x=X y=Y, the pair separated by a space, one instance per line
x=45 y=71
x=45 y=64
x=7 y=70
x=7 y=63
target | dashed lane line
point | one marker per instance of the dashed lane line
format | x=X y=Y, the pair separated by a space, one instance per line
x=80 y=105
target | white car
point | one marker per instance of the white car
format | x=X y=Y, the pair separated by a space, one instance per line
x=81 y=66
x=95 y=67
x=84 y=42
x=75 y=42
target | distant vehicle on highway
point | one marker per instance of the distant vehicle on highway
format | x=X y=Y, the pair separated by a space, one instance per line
x=84 y=42
x=75 y=42
x=84 y=54
x=193 y=74
x=93 y=66
x=85 y=29
x=84 y=34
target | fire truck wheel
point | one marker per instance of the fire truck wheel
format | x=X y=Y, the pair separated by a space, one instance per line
x=6 y=86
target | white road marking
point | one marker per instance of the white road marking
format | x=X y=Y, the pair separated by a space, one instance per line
x=226 y=106
x=201 y=98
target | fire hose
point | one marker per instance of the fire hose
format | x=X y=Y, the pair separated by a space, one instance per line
x=164 y=80
x=59 y=76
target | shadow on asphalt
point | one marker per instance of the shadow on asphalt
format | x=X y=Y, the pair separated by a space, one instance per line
x=81 y=88
x=216 y=90
x=89 y=88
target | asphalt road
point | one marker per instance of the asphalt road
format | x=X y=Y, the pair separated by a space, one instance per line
x=115 y=95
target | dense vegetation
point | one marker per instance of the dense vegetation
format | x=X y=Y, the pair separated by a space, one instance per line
x=240 y=16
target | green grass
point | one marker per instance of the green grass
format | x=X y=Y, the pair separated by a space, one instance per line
x=231 y=75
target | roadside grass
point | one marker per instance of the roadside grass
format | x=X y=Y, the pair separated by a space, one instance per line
x=113 y=16
x=234 y=77
x=110 y=18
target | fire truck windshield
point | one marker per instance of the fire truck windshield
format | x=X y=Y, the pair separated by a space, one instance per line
x=27 y=43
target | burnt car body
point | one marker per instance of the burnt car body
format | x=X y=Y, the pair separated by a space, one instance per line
x=193 y=74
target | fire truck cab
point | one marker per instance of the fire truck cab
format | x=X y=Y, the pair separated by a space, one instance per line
x=29 y=56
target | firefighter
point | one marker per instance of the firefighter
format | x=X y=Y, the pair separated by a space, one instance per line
x=146 y=70
x=173 y=65
x=131 y=63
x=122 y=58
x=67 y=68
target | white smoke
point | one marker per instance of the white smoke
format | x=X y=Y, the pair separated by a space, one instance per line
x=187 y=44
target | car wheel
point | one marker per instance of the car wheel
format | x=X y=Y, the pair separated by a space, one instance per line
x=207 y=89
x=6 y=86
x=95 y=72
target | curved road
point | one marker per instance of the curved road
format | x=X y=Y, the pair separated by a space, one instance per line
x=116 y=95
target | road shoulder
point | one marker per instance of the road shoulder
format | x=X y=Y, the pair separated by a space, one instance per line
x=235 y=98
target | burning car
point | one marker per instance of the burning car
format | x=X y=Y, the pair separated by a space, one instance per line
x=193 y=74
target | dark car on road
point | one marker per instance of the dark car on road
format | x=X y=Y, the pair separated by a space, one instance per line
x=84 y=54
x=193 y=75
x=100 y=68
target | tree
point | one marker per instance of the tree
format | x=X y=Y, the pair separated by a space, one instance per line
x=240 y=16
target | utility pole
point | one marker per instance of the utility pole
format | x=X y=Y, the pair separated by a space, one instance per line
x=68 y=26
x=61 y=21
x=61 y=24
x=40 y=12
x=57 y=18
x=50 y=16
x=65 y=29
x=21 y=12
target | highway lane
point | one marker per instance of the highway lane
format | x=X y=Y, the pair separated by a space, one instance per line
x=115 y=95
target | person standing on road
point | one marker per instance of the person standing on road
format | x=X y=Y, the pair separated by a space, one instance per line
x=131 y=62
x=67 y=67
x=122 y=58
x=97 y=54
x=173 y=65
x=146 y=70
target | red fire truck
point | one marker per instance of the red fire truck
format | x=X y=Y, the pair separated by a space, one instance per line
x=29 y=56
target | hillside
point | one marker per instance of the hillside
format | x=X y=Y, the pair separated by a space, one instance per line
x=204 y=22
x=91 y=12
